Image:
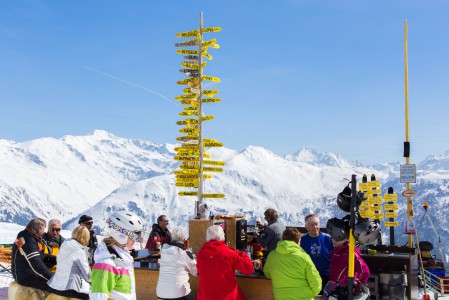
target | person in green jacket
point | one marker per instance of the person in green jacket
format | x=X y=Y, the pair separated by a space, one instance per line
x=291 y=269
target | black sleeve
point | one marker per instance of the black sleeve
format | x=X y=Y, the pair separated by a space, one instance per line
x=34 y=257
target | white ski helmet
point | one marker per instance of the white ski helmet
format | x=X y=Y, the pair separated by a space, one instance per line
x=124 y=224
x=366 y=232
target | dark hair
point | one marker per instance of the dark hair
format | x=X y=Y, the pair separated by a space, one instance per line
x=84 y=218
x=160 y=218
x=291 y=234
x=271 y=214
x=36 y=224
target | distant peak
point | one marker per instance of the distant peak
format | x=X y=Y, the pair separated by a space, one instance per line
x=314 y=157
x=103 y=134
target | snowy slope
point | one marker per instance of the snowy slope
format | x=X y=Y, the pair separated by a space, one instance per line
x=100 y=172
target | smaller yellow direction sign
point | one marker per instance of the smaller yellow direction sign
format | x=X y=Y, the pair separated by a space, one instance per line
x=391 y=207
x=391 y=214
x=188 y=193
x=213 y=195
x=391 y=197
x=391 y=224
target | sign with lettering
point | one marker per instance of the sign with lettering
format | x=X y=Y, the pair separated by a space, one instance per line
x=407 y=173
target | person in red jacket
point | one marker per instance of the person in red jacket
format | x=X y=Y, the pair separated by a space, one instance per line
x=338 y=274
x=216 y=264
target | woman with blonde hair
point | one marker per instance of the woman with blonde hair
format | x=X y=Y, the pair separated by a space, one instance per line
x=72 y=277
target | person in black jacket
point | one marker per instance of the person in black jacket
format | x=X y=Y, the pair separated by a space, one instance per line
x=28 y=258
x=88 y=221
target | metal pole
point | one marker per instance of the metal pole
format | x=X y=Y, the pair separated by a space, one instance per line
x=200 y=116
x=351 y=237
x=407 y=139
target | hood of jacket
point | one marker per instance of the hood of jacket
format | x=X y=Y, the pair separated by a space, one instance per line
x=102 y=253
x=288 y=247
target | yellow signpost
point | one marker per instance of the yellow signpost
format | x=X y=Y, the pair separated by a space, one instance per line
x=192 y=151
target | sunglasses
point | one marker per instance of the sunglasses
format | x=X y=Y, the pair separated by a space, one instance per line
x=55 y=229
x=89 y=222
x=166 y=221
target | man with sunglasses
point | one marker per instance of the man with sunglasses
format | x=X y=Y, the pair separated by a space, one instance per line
x=159 y=233
x=87 y=221
x=52 y=240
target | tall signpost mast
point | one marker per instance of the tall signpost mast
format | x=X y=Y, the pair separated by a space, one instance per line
x=192 y=151
x=408 y=171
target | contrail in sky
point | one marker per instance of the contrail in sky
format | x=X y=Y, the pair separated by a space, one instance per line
x=131 y=83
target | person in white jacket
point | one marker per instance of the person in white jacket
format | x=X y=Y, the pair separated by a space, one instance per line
x=176 y=264
x=72 y=277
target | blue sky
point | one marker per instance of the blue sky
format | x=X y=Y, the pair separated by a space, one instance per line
x=327 y=75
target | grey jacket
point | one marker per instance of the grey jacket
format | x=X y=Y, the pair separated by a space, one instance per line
x=73 y=271
x=273 y=234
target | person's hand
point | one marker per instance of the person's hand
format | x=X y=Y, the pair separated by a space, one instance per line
x=259 y=224
x=256 y=233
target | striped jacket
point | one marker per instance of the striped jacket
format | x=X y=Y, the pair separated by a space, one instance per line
x=27 y=259
x=112 y=276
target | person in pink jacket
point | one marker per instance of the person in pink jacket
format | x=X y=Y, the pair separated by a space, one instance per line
x=216 y=264
x=338 y=274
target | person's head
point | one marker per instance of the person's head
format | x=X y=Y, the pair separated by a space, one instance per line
x=81 y=234
x=291 y=234
x=271 y=215
x=37 y=226
x=339 y=243
x=215 y=233
x=178 y=235
x=125 y=228
x=312 y=225
x=162 y=221
x=54 y=228
x=87 y=221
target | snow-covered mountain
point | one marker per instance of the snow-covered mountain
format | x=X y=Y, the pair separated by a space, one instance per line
x=100 y=173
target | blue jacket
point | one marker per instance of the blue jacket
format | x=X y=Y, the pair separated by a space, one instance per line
x=319 y=249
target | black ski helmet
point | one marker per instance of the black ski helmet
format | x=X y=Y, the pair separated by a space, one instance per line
x=338 y=229
x=344 y=199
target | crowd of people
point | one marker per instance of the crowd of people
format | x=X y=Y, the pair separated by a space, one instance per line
x=301 y=266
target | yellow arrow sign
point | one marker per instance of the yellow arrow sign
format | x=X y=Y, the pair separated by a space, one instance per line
x=188 y=193
x=210 y=78
x=390 y=197
x=189 y=43
x=206 y=55
x=209 y=169
x=187 y=81
x=187 y=138
x=209 y=42
x=211 y=29
x=185 y=51
x=214 y=162
x=391 y=214
x=213 y=144
x=391 y=206
x=363 y=186
x=190 y=33
x=374 y=184
x=213 y=195
x=210 y=93
x=207 y=118
x=187 y=184
x=211 y=100
x=391 y=224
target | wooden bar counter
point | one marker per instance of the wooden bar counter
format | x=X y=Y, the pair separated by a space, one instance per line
x=254 y=286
